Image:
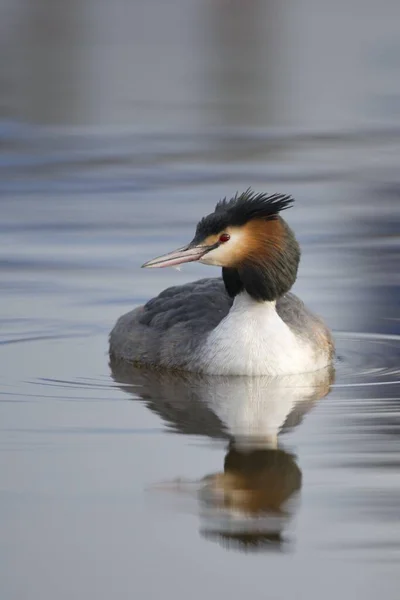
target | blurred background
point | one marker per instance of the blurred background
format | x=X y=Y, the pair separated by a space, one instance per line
x=121 y=124
x=149 y=97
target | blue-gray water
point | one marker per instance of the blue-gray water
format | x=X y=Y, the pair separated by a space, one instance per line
x=122 y=123
x=100 y=488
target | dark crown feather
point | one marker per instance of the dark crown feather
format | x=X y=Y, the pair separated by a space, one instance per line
x=250 y=205
x=242 y=208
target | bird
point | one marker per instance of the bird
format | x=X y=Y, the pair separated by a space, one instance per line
x=246 y=322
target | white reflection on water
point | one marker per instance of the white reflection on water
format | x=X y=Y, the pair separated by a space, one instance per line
x=250 y=502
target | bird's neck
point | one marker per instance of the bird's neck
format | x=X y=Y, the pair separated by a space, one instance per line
x=232 y=281
x=259 y=283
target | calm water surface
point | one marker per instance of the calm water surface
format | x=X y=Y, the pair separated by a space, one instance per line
x=113 y=482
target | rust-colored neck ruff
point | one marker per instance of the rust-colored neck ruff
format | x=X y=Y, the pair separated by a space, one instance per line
x=266 y=268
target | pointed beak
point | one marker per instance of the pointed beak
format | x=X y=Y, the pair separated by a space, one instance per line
x=186 y=254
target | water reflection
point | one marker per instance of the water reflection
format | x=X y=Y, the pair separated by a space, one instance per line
x=248 y=505
x=250 y=502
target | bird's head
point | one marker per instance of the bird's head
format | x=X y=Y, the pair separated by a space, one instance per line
x=249 y=240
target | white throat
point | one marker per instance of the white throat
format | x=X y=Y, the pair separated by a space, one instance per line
x=253 y=340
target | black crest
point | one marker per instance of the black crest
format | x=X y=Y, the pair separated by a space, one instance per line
x=240 y=209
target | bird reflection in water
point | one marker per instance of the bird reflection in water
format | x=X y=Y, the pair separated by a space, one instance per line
x=248 y=505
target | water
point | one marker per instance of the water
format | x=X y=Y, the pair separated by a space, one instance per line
x=121 y=125
x=112 y=482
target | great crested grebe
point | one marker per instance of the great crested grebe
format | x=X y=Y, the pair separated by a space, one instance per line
x=246 y=323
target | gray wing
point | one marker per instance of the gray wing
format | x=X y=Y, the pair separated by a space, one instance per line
x=305 y=324
x=167 y=330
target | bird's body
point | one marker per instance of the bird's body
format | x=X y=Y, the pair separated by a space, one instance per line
x=199 y=327
x=247 y=323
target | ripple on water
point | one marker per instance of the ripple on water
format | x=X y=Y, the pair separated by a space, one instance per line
x=363 y=359
x=367 y=359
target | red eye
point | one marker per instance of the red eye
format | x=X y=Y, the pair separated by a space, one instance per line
x=224 y=237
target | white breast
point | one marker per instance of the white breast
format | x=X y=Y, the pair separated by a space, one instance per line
x=253 y=340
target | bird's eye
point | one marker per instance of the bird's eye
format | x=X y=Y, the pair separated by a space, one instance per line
x=224 y=237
